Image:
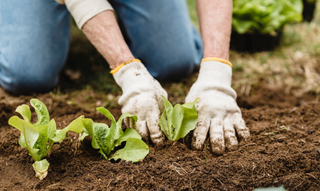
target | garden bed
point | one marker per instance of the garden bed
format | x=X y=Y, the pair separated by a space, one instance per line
x=284 y=150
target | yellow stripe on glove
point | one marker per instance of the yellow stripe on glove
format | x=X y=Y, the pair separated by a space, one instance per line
x=125 y=63
x=217 y=59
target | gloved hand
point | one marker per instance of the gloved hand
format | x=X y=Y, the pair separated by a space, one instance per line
x=141 y=97
x=217 y=108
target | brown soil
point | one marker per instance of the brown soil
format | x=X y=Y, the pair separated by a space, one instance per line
x=284 y=150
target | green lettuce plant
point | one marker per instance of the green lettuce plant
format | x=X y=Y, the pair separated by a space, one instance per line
x=108 y=138
x=176 y=122
x=265 y=16
x=39 y=137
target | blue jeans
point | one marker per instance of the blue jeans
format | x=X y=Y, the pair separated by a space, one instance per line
x=34 y=40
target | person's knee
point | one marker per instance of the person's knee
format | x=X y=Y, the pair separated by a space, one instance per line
x=174 y=65
x=173 y=58
x=25 y=71
x=18 y=81
x=33 y=53
x=28 y=73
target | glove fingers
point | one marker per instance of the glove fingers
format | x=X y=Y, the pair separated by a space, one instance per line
x=156 y=135
x=240 y=125
x=217 y=136
x=230 y=138
x=141 y=127
x=200 y=133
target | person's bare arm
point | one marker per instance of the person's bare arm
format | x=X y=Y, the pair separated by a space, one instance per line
x=215 y=25
x=104 y=33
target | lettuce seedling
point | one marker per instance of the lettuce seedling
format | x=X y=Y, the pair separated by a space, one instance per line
x=38 y=138
x=106 y=139
x=176 y=122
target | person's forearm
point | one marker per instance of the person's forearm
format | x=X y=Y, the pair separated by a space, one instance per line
x=215 y=24
x=104 y=33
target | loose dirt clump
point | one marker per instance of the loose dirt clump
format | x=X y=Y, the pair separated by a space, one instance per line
x=284 y=150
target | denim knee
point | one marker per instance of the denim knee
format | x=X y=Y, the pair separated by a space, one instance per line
x=34 y=39
x=177 y=60
x=25 y=80
x=174 y=66
x=19 y=86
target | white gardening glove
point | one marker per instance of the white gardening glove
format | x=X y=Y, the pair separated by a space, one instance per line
x=217 y=108
x=141 y=97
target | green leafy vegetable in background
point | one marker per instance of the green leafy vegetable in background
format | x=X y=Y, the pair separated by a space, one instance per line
x=35 y=137
x=106 y=139
x=265 y=16
x=176 y=122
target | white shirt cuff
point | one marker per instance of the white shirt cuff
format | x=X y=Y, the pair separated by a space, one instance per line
x=83 y=10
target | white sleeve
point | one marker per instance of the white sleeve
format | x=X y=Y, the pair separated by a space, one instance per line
x=83 y=10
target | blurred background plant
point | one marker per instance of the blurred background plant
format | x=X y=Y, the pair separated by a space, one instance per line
x=265 y=16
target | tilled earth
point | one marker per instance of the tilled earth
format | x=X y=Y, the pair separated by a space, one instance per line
x=284 y=150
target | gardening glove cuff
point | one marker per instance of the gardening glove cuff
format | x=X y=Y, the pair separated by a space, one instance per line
x=141 y=97
x=134 y=75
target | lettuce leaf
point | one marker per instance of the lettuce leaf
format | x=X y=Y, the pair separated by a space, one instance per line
x=265 y=16
x=176 y=122
x=106 y=139
x=42 y=112
x=134 y=151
